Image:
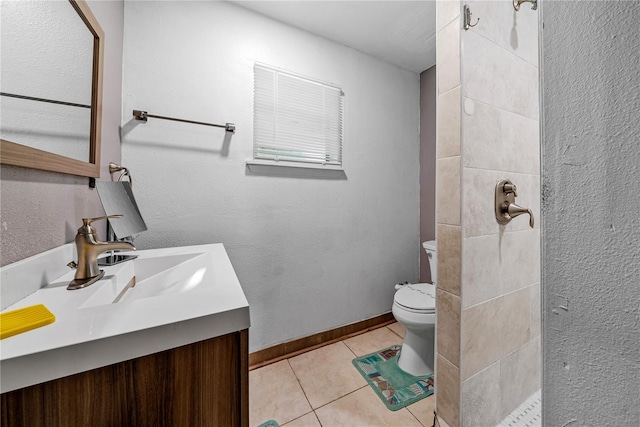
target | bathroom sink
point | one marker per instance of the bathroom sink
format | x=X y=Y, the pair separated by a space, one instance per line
x=146 y=277
x=166 y=275
x=180 y=295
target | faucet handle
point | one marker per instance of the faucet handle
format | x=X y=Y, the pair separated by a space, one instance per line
x=508 y=187
x=88 y=221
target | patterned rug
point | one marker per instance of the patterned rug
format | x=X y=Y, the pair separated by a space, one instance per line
x=269 y=423
x=395 y=387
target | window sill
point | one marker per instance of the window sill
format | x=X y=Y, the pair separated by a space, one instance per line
x=294 y=169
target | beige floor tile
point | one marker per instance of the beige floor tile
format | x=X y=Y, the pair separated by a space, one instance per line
x=398 y=328
x=275 y=394
x=372 y=341
x=423 y=410
x=309 y=420
x=363 y=408
x=327 y=373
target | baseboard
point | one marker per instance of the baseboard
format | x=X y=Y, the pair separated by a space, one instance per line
x=302 y=345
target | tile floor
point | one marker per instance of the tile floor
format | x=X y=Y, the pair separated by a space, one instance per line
x=322 y=388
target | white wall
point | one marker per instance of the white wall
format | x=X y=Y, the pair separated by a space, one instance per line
x=311 y=253
x=42 y=210
x=591 y=254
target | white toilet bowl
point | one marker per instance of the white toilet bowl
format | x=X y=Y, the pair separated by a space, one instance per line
x=414 y=307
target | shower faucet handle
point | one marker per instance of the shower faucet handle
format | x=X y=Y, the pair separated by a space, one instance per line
x=508 y=187
x=505 y=203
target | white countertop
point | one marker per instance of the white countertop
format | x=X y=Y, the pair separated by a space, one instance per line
x=88 y=337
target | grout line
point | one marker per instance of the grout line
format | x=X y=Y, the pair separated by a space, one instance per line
x=504 y=49
x=500 y=296
x=350 y=349
x=397 y=334
x=414 y=415
x=338 y=398
x=317 y=419
x=449 y=90
x=300 y=384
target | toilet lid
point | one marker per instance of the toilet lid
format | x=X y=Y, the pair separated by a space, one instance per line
x=417 y=297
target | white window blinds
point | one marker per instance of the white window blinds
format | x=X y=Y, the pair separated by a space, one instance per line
x=296 y=119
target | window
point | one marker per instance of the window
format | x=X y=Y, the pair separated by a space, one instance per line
x=296 y=119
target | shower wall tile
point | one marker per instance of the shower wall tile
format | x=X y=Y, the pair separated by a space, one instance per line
x=480 y=408
x=500 y=288
x=448 y=202
x=448 y=56
x=479 y=201
x=499 y=140
x=519 y=31
x=490 y=14
x=480 y=270
x=447 y=391
x=449 y=258
x=520 y=260
x=520 y=375
x=448 y=191
x=520 y=143
x=493 y=329
x=495 y=76
x=446 y=11
x=514 y=31
x=448 y=124
x=482 y=129
x=536 y=312
x=514 y=314
x=448 y=326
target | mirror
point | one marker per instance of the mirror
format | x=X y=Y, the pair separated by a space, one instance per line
x=51 y=86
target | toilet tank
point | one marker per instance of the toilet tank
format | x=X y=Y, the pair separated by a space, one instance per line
x=430 y=248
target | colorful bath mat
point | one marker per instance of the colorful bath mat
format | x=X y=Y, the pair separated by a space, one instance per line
x=269 y=423
x=394 y=386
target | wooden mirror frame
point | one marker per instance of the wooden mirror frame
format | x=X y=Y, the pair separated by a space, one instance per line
x=15 y=154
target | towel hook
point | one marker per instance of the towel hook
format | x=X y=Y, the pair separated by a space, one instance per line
x=467 y=18
x=517 y=3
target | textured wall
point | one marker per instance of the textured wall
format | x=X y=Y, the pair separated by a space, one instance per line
x=41 y=210
x=427 y=166
x=591 y=165
x=311 y=253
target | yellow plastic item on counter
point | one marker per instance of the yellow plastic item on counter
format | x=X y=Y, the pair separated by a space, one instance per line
x=24 y=319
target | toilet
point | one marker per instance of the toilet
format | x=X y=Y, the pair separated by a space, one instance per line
x=414 y=305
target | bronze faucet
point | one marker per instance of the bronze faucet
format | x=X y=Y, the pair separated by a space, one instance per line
x=89 y=247
x=506 y=207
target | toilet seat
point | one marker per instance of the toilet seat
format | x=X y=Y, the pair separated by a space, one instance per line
x=417 y=298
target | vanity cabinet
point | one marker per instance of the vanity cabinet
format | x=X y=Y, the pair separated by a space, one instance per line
x=200 y=384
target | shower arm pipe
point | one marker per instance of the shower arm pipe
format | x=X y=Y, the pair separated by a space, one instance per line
x=517 y=3
x=143 y=115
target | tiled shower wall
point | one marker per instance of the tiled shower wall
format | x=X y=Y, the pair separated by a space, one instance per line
x=489 y=300
x=448 y=224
